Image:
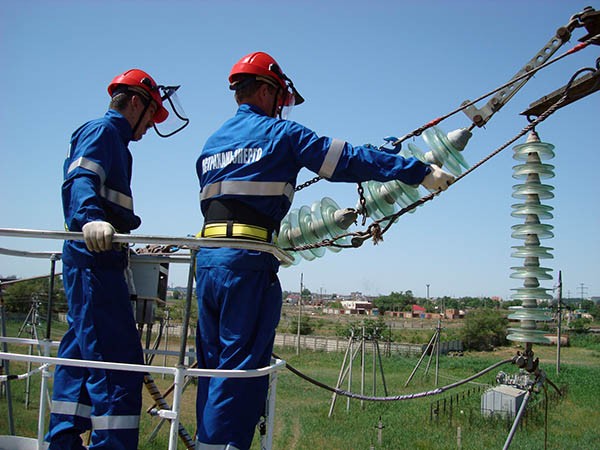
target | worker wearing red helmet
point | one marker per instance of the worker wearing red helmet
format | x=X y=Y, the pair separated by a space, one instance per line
x=97 y=200
x=247 y=172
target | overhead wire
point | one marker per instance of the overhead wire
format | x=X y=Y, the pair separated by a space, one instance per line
x=527 y=74
x=376 y=231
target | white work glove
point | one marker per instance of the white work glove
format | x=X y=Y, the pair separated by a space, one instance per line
x=437 y=179
x=98 y=236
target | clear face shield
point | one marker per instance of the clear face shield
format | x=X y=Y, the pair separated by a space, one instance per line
x=290 y=96
x=287 y=105
x=176 y=120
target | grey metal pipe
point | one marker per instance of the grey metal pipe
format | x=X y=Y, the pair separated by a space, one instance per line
x=515 y=424
x=53 y=259
x=188 y=302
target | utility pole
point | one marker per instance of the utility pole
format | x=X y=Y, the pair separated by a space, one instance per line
x=582 y=291
x=299 y=313
x=558 y=330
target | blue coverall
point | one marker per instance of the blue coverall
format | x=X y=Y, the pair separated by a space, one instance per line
x=255 y=159
x=97 y=178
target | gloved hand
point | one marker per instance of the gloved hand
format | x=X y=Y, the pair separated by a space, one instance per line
x=437 y=179
x=98 y=236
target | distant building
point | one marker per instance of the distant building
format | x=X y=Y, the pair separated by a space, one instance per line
x=416 y=309
x=176 y=291
x=292 y=298
x=579 y=314
x=454 y=314
x=357 y=307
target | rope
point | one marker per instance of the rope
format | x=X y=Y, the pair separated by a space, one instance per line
x=395 y=397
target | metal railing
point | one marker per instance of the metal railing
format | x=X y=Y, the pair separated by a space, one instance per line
x=180 y=371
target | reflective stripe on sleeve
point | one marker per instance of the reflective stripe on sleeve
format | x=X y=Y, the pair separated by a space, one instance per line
x=117 y=197
x=331 y=158
x=71 y=409
x=115 y=422
x=261 y=188
x=89 y=165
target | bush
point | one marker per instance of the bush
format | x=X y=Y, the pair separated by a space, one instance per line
x=306 y=326
x=580 y=325
x=20 y=296
x=484 y=329
x=585 y=340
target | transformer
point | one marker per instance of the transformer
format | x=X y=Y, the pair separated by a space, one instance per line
x=502 y=400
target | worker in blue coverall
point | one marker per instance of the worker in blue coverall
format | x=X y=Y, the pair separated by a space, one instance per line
x=247 y=172
x=97 y=200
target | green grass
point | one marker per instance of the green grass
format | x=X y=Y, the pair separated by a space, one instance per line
x=302 y=410
x=302 y=422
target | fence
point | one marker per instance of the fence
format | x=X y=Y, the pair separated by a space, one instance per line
x=461 y=403
x=338 y=344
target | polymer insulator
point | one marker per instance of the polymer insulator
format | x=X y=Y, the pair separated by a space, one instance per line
x=532 y=230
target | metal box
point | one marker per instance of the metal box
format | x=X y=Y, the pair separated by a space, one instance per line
x=502 y=400
x=151 y=282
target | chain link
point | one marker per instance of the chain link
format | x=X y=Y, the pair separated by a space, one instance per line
x=307 y=184
x=363 y=203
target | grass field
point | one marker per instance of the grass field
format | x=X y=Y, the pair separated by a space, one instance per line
x=302 y=422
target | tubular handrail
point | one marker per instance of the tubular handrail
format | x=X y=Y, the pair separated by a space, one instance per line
x=190 y=242
x=249 y=373
x=142 y=257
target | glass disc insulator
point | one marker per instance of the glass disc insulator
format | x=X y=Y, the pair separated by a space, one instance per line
x=306 y=222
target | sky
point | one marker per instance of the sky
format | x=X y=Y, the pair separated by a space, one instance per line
x=366 y=69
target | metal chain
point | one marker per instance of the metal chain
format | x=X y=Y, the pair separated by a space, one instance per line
x=363 y=203
x=307 y=184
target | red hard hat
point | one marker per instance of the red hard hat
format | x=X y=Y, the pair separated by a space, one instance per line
x=263 y=64
x=140 y=79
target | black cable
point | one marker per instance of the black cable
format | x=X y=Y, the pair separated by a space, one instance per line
x=435 y=391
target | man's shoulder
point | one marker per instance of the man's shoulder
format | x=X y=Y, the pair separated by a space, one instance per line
x=98 y=128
